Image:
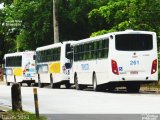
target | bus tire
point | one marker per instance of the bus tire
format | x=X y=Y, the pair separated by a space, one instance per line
x=40 y=85
x=57 y=85
x=95 y=87
x=8 y=83
x=29 y=84
x=51 y=79
x=20 y=83
x=14 y=79
x=133 y=88
x=110 y=89
x=67 y=85
x=77 y=86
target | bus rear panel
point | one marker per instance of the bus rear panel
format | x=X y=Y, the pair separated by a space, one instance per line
x=134 y=58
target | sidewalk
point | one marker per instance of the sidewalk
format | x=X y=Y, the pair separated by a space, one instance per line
x=3 y=108
x=2 y=82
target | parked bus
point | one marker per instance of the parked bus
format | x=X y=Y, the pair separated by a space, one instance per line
x=127 y=58
x=19 y=67
x=53 y=65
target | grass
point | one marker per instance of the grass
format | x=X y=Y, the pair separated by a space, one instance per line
x=152 y=86
x=20 y=115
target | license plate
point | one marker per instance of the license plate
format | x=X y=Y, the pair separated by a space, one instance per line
x=134 y=72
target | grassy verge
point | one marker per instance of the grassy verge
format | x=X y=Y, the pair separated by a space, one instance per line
x=22 y=115
x=152 y=86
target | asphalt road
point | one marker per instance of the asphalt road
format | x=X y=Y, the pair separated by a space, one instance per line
x=70 y=101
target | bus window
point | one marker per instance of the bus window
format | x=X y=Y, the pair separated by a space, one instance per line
x=80 y=53
x=106 y=47
x=134 y=42
x=68 y=50
x=34 y=57
x=76 y=53
x=86 y=51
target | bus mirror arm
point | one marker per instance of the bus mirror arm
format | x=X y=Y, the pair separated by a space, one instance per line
x=70 y=55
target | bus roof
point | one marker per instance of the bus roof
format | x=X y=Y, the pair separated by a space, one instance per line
x=53 y=45
x=108 y=35
x=49 y=46
x=17 y=53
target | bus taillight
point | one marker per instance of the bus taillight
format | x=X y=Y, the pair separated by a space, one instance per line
x=154 y=66
x=114 y=67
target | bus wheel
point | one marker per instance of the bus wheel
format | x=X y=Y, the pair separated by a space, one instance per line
x=20 y=83
x=110 y=89
x=29 y=84
x=51 y=79
x=41 y=85
x=8 y=83
x=78 y=86
x=133 y=88
x=14 y=79
x=68 y=85
x=57 y=85
x=95 y=87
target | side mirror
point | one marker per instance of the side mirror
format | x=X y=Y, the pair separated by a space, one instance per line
x=34 y=57
x=70 y=55
x=69 y=51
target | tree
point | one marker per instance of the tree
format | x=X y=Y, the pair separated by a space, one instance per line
x=37 y=22
x=128 y=14
x=55 y=21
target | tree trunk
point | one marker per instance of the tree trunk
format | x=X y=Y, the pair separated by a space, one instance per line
x=55 y=22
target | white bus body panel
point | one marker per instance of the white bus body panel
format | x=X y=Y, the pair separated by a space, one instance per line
x=103 y=67
x=57 y=77
x=27 y=68
x=129 y=64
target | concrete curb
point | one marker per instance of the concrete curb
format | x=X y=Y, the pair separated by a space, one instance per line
x=2 y=83
x=4 y=108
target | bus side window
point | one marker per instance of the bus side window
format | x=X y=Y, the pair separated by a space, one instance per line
x=95 y=50
x=103 y=49
x=53 y=54
x=98 y=49
x=86 y=47
x=106 y=46
x=89 y=51
x=78 y=52
x=68 y=50
x=92 y=50
x=82 y=53
x=58 y=53
x=75 y=52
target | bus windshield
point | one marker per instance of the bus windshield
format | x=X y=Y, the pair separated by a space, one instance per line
x=134 y=42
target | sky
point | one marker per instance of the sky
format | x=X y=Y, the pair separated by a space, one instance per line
x=1 y=6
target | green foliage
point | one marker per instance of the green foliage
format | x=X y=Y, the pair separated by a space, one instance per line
x=22 y=115
x=77 y=19
x=159 y=66
x=127 y=14
x=73 y=18
x=37 y=26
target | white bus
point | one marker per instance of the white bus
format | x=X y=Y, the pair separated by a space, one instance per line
x=53 y=65
x=20 y=67
x=127 y=58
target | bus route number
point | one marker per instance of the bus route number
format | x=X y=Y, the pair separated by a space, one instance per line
x=134 y=62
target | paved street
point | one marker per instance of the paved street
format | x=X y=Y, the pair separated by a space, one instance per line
x=70 y=101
